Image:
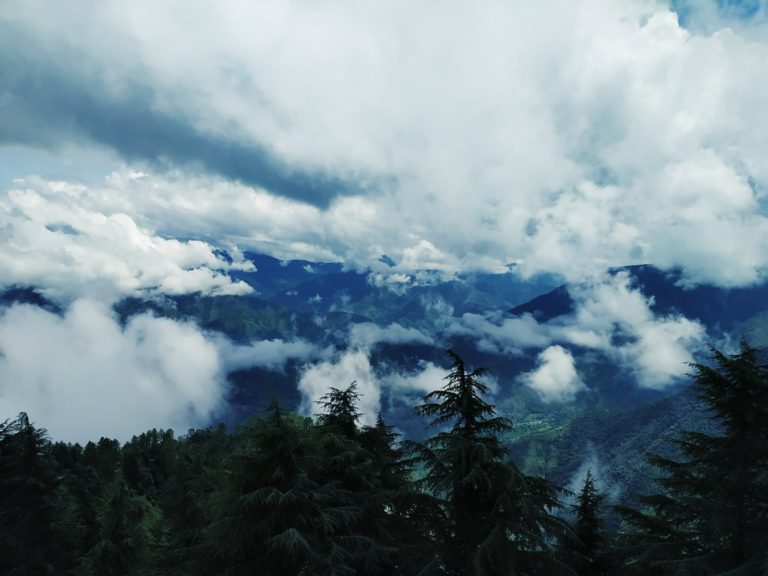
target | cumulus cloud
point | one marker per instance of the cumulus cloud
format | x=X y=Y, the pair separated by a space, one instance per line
x=611 y=316
x=53 y=238
x=616 y=318
x=351 y=366
x=428 y=378
x=555 y=377
x=354 y=365
x=397 y=283
x=502 y=335
x=83 y=375
x=269 y=354
x=565 y=136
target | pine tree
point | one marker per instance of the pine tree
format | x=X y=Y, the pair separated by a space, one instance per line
x=340 y=412
x=404 y=518
x=122 y=543
x=586 y=552
x=31 y=501
x=364 y=546
x=713 y=516
x=498 y=518
x=198 y=472
x=281 y=510
x=266 y=510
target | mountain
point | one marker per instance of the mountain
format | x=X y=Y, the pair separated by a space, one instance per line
x=612 y=424
x=320 y=302
x=27 y=295
x=719 y=309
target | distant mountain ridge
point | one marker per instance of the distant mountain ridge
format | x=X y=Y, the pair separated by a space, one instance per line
x=321 y=302
x=719 y=309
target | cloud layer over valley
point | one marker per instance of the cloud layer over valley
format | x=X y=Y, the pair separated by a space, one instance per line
x=146 y=149
x=610 y=316
x=82 y=375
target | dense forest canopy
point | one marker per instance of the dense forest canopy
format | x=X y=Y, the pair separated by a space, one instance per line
x=286 y=494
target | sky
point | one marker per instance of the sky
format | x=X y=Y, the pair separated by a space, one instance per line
x=140 y=139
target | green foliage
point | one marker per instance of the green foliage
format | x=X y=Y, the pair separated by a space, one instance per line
x=32 y=532
x=586 y=550
x=311 y=499
x=587 y=510
x=386 y=532
x=285 y=494
x=122 y=543
x=340 y=412
x=272 y=512
x=712 y=517
x=498 y=519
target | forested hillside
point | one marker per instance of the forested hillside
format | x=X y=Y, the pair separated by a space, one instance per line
x=284 y=494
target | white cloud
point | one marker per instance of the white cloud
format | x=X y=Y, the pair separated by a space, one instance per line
x=269 y=354
x=610 y=315
x=365 y=335
x=354 y=365
x=53 y=238
x=351 y=366
x=565 y=136
x=569 y=136
x=396 y=283
x=426 y=256
x=555 y=377
x=657 y=350
x=428 y=379
x=505 y=335
x=440 y=311
x=662 y=352
x=82 y=375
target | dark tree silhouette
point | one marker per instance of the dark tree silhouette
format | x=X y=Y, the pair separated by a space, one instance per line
x=498 y=518
x=340 y=410
x=712 y=517
x=32 y=501
x=586 y=551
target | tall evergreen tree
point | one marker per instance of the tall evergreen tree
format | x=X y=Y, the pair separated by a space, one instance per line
x=499 y=518
x=404 y=518
x=32 y=536
x=712 y=517
x=586 y=551
x=280 y=512
x=121 y=548
x=264 y=524
x=340 y=411
x=365 y=547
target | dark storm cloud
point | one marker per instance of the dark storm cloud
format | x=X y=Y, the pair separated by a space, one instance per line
x=45 y=102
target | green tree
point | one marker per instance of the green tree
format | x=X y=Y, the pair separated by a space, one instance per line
x=712 y=517
x=278 y=512
x=389 y=527
x=404 y=518
x=128 y=530
x=359 y=476
x=340 y=413
x=35 y=514
x=499 y=519
x=586 y=551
